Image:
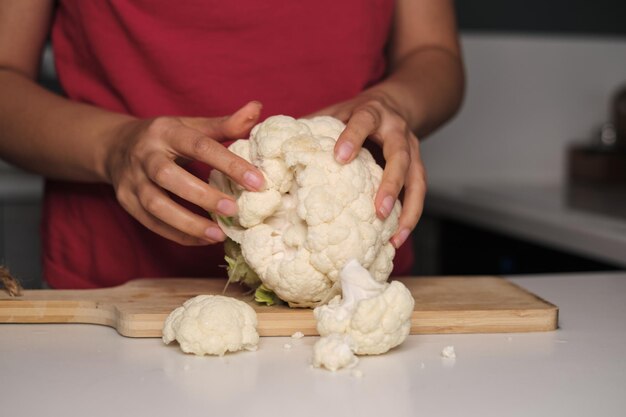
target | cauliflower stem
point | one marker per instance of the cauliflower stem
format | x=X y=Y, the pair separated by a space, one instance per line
x=264 y=295
x=237 y=268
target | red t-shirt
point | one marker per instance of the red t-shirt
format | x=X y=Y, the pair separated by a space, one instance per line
x=194 y=58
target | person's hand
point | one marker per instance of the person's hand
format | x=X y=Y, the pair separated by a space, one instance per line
x=375 y=116
x=143 y=164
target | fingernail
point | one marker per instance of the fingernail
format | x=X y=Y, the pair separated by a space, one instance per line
x=345 y=151
x=387 y=206
x=227 y=207
x=214 y=233
x=401 y=237
x=253 y=180
x=253 y=117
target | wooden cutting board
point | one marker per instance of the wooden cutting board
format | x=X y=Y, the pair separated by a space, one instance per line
x=139 y=308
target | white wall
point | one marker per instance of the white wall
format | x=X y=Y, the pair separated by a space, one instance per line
x=527 y=98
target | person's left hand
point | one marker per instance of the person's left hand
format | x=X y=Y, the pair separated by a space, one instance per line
x=375 y=116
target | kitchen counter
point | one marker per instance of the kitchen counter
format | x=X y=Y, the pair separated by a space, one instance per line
x=78 y=370
x=584 y=221
x=18 y=186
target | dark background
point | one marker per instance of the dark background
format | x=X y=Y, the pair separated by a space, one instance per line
x=576 y=17
x=463 y=249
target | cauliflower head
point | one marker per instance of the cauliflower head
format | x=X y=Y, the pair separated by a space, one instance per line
x=212 y=325
x=314 y=214
x=371 y=317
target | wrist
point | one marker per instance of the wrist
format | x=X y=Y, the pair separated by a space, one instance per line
x=112 y=143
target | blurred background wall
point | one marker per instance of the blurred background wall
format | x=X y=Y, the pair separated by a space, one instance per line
x=541 y=76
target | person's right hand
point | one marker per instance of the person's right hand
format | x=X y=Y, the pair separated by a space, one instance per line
x=143 y=165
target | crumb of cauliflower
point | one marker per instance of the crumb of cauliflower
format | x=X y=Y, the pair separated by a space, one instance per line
x=357 y=373
x=448 y=352
x=297 y=335
x=314 y=214
x=212 y=325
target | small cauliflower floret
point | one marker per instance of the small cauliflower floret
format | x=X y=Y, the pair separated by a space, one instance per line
x=324 y=126
x=314 y=213
x=269 y=136
x=212 y=325
x=334 y=352
x=255 y=207
x=371 y=317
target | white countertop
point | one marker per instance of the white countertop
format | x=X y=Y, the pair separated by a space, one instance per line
x=578 y=370
x=551 y=215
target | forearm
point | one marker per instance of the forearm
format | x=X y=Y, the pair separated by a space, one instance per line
x=426 y=88
x=51 y=135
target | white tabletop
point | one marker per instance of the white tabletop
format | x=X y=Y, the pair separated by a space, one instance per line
x=578 y=370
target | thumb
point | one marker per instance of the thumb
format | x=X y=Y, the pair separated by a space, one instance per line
x=235 y=126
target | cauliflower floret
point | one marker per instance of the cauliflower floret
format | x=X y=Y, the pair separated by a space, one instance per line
x=268 y=137
x=314 y=215
x=257 y=206
x=370 y=319
x=212 y=325
x=324 y=126
x=334 y=352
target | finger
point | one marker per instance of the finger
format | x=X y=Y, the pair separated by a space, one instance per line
x=170 y=176
x=363 y=122
x=131 y=204
x=156 y=202
x=239 y=124
x=414 y=193
x=235 y=126
x=397 y=153
x=191 y=144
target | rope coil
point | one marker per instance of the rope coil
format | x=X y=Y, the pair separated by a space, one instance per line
x=9 y=282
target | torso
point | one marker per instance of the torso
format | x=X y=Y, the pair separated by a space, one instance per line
x=194 y=58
